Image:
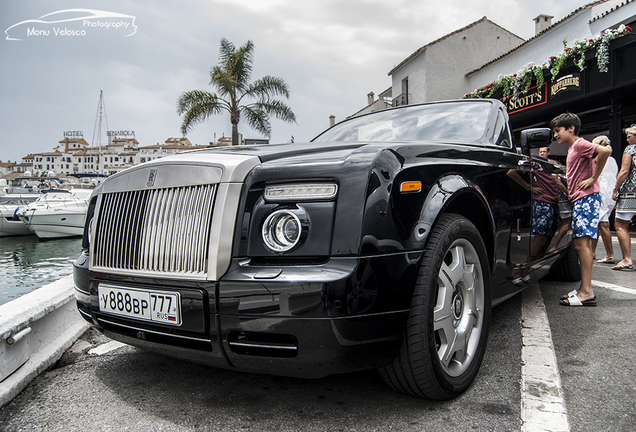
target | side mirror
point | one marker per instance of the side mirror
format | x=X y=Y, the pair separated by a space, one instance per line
x=535 y=138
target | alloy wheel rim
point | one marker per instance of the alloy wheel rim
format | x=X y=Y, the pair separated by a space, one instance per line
x=458 y=312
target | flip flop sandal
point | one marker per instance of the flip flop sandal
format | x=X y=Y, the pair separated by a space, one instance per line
x=568 y=295
x=607 y=260
x=518 y=281
x=574 y=301
x=622 y=266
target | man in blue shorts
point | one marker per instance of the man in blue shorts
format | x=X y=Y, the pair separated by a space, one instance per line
x=583 y=191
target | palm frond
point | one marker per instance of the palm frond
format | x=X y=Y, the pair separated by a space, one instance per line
x=225 y=52
x=223 y=81
x=197 y=106
x=257 y=119
x=235 y=68
x=268 y=87
x=243 y=59
x=278 y=109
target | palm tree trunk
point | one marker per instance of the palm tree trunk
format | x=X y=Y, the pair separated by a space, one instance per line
x=235 y=135
x=235 y=117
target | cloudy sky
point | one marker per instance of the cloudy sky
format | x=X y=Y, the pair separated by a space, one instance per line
x=331 y=53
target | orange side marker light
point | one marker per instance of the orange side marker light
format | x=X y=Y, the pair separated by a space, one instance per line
x=411 y=186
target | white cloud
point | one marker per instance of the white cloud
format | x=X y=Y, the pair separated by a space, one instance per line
x=331 y=53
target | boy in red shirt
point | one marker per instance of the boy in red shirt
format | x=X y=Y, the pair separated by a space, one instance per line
x=583 y=191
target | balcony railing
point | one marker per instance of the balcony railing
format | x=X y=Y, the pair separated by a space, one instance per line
x=402 y=99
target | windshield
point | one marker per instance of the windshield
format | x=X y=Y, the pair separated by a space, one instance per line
x=456 y=121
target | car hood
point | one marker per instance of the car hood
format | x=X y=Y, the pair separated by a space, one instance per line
x=271 y=152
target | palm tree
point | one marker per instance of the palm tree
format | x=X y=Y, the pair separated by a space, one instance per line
x=231 y=77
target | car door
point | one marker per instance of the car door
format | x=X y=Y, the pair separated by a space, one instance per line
x=520 y=187
x=545 y=208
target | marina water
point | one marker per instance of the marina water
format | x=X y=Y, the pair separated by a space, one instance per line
x=27 y=263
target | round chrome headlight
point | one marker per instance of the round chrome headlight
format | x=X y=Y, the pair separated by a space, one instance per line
x=89 y=231
x=282 y=231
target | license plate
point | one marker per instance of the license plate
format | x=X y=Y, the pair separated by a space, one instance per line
x=157 y=306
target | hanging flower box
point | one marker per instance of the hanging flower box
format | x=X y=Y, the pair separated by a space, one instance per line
x=580 y=53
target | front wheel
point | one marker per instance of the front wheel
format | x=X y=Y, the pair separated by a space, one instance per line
x=447 y=329
x=566 y=268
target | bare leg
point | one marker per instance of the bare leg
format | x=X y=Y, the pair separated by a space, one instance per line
x=538 y=246
x=605 y=233
x=624 y=240
x=566 y=224
x=583 y=246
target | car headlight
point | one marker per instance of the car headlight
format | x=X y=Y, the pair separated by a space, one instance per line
x=283 y=230
x=89 y=231
x=87 y=239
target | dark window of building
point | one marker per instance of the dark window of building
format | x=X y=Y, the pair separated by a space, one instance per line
x=405 y=90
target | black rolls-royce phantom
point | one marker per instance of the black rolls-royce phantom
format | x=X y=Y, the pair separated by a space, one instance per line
x=382 y=243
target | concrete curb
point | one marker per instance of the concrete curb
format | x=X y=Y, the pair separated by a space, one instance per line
x=48 y=321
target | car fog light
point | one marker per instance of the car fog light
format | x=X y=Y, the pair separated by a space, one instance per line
x=282 y=231
x=291 y=192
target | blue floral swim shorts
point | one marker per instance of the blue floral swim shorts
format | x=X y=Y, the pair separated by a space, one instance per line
x=585 y=216
x=544 y=218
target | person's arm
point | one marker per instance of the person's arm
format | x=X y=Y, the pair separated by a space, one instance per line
x=601 y=154
x=626 y=164
x=561 y=185
x=516 y=176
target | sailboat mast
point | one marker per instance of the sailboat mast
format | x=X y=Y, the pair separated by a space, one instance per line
x=97 y=129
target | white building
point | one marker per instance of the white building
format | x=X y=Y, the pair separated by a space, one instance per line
x=478 y=59
x=605 y=100
x=383 y=101
x=170 y=147
x=6 y=167
x=584 y=23
x=75 y=155
x=437 y=70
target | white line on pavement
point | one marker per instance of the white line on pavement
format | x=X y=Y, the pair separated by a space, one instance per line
x=106 y=348
x=613 y=287
x=542 y=404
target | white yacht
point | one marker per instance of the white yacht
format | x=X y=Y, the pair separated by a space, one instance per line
x=58 y=213
x=10 y=223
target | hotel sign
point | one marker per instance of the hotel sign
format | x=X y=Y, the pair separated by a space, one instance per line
x=73 y=134
x=534 y=97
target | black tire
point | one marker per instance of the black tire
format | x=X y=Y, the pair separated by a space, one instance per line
x=427 y=364
x=567 y=268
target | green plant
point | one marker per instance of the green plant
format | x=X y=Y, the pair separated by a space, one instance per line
x=517 y=84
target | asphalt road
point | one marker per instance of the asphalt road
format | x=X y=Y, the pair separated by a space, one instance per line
x=98 y=386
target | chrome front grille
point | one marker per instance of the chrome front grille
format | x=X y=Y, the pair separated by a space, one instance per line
x=155 y=231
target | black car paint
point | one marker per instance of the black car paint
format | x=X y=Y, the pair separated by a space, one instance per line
x=342 y=298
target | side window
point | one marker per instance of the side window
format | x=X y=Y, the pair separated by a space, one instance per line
x=502 y=135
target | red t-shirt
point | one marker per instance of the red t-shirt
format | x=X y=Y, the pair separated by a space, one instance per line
x=580 y=166
x=548 y=183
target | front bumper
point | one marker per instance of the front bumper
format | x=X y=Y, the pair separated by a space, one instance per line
x=309 y=321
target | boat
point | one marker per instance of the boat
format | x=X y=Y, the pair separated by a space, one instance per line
x=29 y=185
x=57 y=213
x=10 y=223
x=10 y=201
